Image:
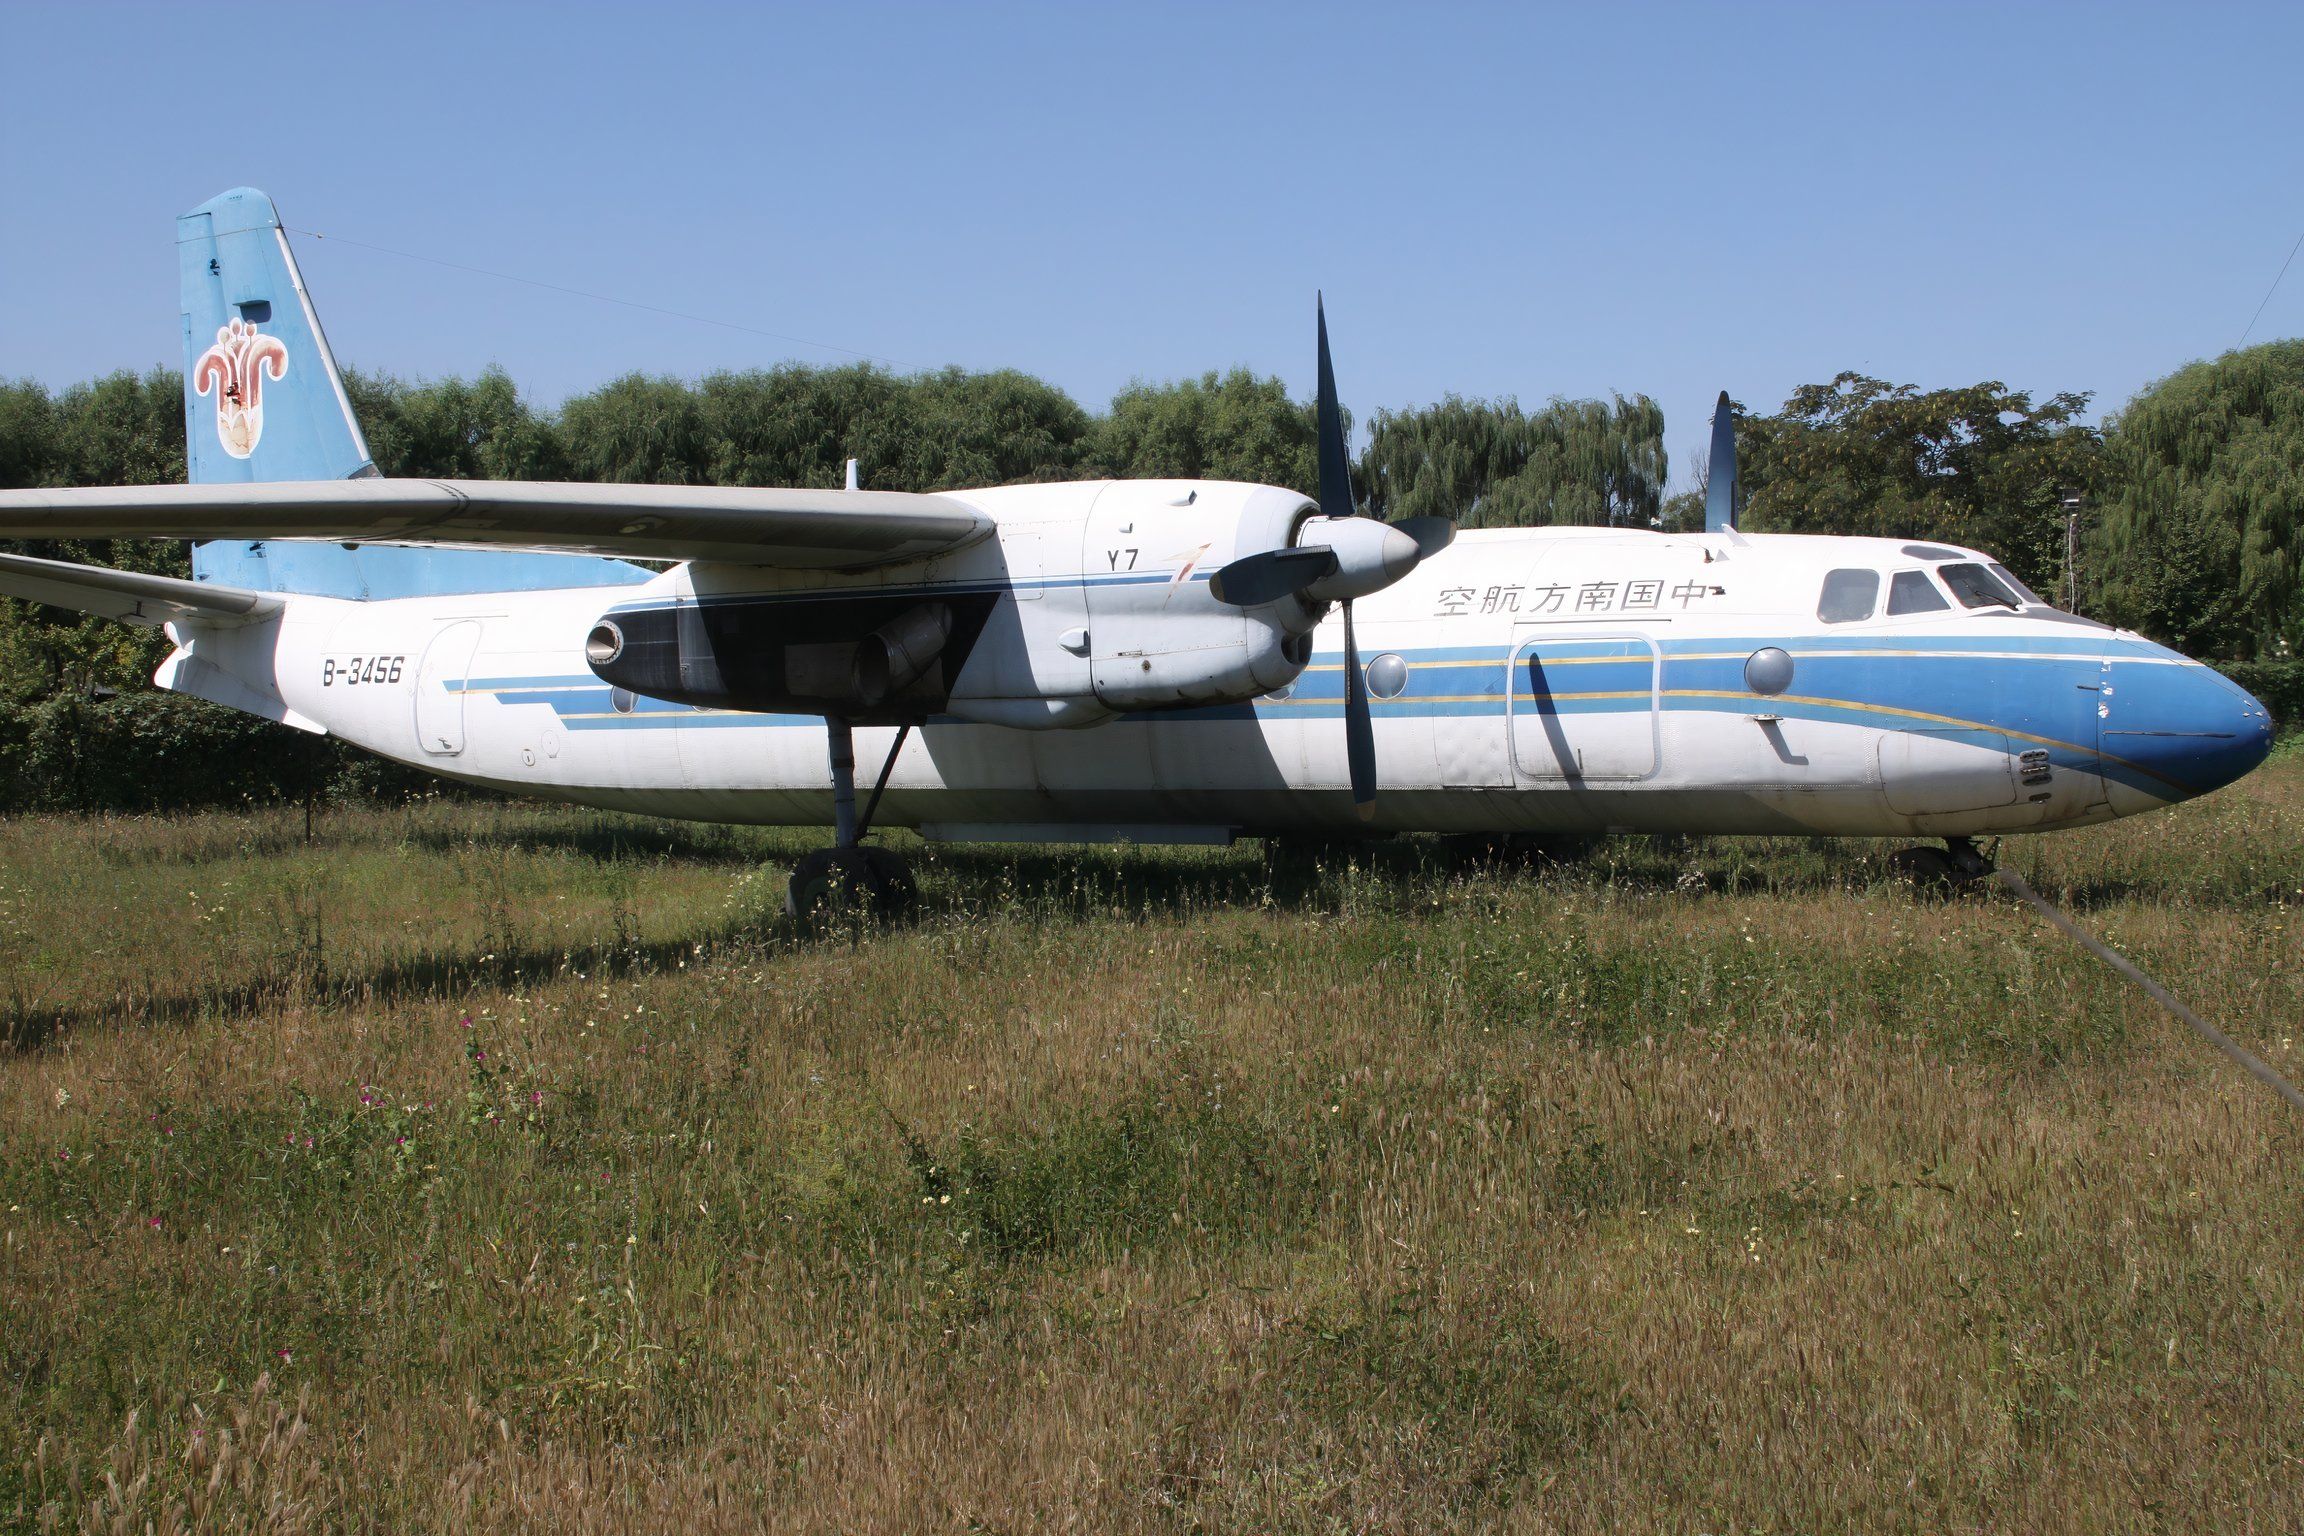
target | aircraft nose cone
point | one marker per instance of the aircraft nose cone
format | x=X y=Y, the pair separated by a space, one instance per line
x=2186 y=724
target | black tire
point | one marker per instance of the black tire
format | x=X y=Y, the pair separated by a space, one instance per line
x=836 y=886
x=889 y=880
x=828 y=887
x=1925 y=869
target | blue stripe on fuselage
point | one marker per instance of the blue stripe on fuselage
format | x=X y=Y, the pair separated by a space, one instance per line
x=2036 y=689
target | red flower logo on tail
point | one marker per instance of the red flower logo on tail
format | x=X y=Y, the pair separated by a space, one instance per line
x=236 y=368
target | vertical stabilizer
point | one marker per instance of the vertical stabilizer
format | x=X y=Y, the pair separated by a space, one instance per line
x=262 y=399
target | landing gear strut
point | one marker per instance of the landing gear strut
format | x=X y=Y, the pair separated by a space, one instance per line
x=850 y=879
x=1956 y=866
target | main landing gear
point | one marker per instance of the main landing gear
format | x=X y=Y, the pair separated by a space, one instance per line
x=851 y=880
x=1953 y=867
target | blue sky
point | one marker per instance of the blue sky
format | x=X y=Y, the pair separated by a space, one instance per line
x=1520 y=200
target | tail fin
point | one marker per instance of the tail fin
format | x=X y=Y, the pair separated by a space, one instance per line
x=262 y=399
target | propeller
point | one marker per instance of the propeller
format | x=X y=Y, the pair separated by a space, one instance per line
x=1337 y=555
x=1254 y=580
x=1721 y=487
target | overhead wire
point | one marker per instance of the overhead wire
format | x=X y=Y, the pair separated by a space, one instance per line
x=600 y=298
x=2275 y=288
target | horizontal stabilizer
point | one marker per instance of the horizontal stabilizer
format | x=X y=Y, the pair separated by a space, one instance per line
x=129 y=596
x=738 y=525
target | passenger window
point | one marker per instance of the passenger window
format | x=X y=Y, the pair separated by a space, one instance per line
x=1913 y=592
x=1848 y=596
x=1977 y=587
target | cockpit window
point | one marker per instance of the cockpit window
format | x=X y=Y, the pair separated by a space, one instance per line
x=2008 y=580
x=1930 y=552
x=1913 y=592
x=1977 y=587
x=1848 y=596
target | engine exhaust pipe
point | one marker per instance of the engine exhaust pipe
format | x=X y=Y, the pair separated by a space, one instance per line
x=898 y=653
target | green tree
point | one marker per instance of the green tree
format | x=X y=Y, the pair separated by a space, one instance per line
x=1983 y=466
x=30 y=447
x=455 y=429
x=1489 y=464
x=637 y=431
x=1230 y=426
x=2202 y=536
x=798 y=425
x=124 y=429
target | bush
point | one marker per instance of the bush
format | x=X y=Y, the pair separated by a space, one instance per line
x=151 y=751
x=2280 y=684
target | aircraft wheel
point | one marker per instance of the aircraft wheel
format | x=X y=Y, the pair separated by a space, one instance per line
x=888 y=878
x=833 y=886
x=1925 y=869
x=1954 y=867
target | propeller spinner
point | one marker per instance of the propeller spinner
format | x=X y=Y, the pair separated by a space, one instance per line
x=1338 y=556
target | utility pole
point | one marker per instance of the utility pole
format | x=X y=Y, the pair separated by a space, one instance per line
x=2072 y=502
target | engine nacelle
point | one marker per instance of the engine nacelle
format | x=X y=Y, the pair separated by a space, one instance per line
x=1091 y=600
x=1157 y=637
x=864 y=657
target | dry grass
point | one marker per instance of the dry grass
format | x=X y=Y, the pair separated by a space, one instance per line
x=489 y=1166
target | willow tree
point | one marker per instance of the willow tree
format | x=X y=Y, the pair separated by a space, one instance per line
x=1489 y=464
x=455 y=429
x=2202 y=541
x=797 y=425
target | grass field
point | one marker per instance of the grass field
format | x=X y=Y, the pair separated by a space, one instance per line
x=480 y=1166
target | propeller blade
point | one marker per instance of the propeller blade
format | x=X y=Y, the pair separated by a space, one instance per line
x=1335 y=463
x=1359 y=731
x=1720 y=486
x=1432 y=534
x=1254 y=580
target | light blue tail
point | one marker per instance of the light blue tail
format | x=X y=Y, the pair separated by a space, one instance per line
x=263 y=401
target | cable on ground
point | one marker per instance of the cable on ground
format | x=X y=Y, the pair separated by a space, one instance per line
x=2254 y=1064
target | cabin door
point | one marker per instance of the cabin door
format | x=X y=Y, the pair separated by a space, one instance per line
x=440 y=680
x=1584 y=709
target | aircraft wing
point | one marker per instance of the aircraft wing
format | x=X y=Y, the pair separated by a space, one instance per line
x=791 y=529
x=129 y=596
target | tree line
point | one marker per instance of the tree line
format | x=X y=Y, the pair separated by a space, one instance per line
x=2179 y=514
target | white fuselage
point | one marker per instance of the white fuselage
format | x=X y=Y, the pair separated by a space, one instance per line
x=1547 y=680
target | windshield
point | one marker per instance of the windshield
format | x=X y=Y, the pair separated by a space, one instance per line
x=1977 y=587
x=2008 y=579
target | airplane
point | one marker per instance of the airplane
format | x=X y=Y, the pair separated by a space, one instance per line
x=1162 y=661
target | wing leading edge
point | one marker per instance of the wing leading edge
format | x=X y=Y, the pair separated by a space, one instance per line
x=737 y=525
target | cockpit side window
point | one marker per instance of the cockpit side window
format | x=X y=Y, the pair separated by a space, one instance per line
x=1848 y=596
x=1977 y=587
x=1913 y=592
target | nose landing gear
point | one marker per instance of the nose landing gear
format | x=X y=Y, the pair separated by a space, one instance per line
x=1954 y=867
x=849 y=879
